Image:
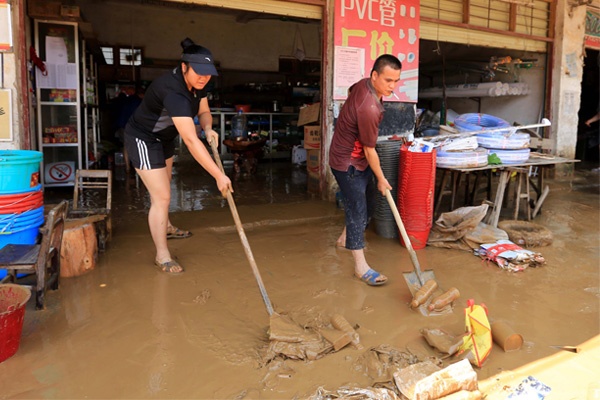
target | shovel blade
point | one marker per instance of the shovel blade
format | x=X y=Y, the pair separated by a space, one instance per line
x=413 y=282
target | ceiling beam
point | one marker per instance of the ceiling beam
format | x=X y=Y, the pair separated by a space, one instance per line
x=299 y=8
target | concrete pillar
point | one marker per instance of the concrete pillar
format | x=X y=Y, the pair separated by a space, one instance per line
x=14 y=78
x=567 y=73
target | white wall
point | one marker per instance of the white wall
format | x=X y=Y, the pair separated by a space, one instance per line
x=525 y=109
x=255 y=45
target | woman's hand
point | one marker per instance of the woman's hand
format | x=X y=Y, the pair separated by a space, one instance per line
x=224 y=185
x=211 y=135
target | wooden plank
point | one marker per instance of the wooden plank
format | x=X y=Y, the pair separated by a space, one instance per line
x=19 y=254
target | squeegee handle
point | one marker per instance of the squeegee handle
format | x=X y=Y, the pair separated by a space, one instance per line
x=242 y=234
x=405 y=238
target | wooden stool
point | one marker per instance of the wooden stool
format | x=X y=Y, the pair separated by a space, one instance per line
x=520 y=192
x=79 y=249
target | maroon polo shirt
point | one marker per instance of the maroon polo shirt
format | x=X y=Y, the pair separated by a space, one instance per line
x=357 y=126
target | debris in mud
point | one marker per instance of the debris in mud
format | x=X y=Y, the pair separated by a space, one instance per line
x=463 y=229
x=355 y=393
x=442 y=341
x=287 y=339
x=379 y=363
x=530 y=388
x=400 y=375
x=510 y=256
x=427 y=381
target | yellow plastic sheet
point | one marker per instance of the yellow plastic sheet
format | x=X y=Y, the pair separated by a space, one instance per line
x=477 y=343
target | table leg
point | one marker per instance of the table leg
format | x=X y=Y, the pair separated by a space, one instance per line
x=495 y=216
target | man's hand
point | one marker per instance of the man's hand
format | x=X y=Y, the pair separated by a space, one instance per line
x=211 y=135
x=382 y=185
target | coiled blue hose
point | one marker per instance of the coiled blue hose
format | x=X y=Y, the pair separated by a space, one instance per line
x=477 y=122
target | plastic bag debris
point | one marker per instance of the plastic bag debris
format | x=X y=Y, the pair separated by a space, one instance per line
x=355 y=394
x=530 y=389
x=510 y=256
x=426 y=381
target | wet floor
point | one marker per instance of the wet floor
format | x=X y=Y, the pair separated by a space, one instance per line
x=125 y=330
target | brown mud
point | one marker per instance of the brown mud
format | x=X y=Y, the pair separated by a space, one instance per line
x=125 y=330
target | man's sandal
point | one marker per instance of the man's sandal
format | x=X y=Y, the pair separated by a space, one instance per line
x=176 y=233
x=170 y=267
x=371 y=278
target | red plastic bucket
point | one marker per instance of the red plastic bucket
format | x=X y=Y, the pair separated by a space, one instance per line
x=12 y=312
x=418 y=240
x=15 y=203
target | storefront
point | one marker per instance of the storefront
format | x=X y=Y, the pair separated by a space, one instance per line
x=277 y=55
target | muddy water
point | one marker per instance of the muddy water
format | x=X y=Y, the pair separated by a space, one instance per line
x=124 y=330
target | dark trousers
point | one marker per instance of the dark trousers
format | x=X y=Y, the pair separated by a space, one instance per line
x=358 y=190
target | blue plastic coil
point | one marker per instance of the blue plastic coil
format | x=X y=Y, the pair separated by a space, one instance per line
x=503 y=141
x=464 y=159
x=477 y=122
x=512 y=156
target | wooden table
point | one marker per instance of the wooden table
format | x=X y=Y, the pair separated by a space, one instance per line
x=535 y=160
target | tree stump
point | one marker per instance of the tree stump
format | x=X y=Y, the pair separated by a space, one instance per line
x=79 y=249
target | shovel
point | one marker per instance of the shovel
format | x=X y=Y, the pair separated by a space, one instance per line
x=417 y=278
x=240 y=229
x=279 y=325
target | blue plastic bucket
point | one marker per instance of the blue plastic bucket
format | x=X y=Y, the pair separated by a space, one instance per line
x=24 y=235
x=9 y=228
x=9 y=222
x=19 y=170
x=35 y=188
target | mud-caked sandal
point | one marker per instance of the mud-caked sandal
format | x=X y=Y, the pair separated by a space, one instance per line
x=176 y=233
x=171 y=267
x=372 y=278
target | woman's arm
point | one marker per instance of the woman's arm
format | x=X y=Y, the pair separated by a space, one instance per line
x=206 y=120
x=187 y=130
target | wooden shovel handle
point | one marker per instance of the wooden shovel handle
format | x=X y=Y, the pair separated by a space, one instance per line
x=407 y=243
x=242 y=234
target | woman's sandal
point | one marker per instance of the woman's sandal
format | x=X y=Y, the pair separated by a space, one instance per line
x=169 y=266
x=176 y=233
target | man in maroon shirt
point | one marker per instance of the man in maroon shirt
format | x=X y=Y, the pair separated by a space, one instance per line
x=354 y=161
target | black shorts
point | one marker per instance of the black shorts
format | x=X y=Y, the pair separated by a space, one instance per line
x=145 y=154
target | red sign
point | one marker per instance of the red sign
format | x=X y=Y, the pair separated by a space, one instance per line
x=377 y=27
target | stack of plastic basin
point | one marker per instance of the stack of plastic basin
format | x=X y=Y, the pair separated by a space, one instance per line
x=416 y=187
x=21 y=197
x=383 y=218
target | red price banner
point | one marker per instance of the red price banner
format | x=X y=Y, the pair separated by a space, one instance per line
x=366 y=29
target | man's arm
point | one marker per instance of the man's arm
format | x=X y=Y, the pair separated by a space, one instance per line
x=373 y=159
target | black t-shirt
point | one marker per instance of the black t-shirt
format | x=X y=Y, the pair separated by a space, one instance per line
x=167 y=97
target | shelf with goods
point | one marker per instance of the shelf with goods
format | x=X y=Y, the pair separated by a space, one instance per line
x=280 y=129
x=58 y=106
x=91 y=112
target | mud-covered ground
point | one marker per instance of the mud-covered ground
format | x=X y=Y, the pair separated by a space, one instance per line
x=125 y=330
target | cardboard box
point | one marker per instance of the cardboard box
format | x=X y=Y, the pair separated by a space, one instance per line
x=310 y=114
x=312 y=137
x=313 y=162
